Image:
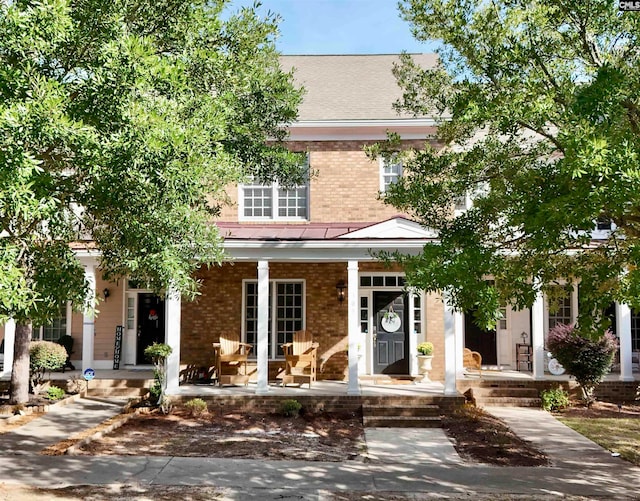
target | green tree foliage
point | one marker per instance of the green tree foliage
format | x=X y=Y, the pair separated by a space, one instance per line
x=540 y=123
x=122 y=122
x=588 y=360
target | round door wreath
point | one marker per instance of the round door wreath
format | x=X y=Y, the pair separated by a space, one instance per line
x=391 y=321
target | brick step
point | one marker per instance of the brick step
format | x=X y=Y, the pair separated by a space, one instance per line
x=117 y=392
x=504 y=392
x=402 y=421
x=508 y=402
x=420 y=410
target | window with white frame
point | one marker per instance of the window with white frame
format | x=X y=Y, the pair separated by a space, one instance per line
x=561 y=312
x=390 y=172
x=274 y=202
x=54 y=330
x=286 y=313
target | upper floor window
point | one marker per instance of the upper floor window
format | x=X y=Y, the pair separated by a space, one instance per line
x=273 y=202
x=603 y=223
x=390 y=172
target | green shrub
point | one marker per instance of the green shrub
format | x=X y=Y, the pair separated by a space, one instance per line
x=55 y=393
x=155 y=392
x=554 y=399
x=290 y=408
x=196 y=407
x=425 y=348
x=157 y=352
x=44 y=356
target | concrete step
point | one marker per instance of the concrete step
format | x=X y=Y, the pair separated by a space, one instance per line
x=117 y=392
x=121 y=383
x=508 y=402
x=401 y=421
x=420 y=410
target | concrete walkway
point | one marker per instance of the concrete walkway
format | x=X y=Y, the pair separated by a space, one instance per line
x=401 y=460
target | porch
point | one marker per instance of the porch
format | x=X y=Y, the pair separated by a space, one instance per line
x=369 y=386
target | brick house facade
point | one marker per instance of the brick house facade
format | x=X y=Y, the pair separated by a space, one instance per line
x=294 y=247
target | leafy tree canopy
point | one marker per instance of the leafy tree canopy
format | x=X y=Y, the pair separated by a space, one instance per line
x=540 y=125
x=122 y=122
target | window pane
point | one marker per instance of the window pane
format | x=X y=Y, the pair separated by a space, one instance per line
x=257 y=201
x=563 y=313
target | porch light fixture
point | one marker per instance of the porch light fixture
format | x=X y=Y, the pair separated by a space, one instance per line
x=524 y=337
x=106 y=293
x=340 y=289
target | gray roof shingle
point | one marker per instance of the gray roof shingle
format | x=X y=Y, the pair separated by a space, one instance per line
x=349 y=87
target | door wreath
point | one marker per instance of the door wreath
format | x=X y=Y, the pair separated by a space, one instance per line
x=390 y=320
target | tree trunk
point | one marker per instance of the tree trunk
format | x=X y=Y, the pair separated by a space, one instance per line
x=20 y=367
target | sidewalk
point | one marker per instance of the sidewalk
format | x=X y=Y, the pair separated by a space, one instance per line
x=401 y=460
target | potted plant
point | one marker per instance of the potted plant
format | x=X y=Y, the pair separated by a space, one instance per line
x=425 y=356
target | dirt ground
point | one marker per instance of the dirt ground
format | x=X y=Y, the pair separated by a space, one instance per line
x=479 y=437
x=316 y=437
x=602 y=410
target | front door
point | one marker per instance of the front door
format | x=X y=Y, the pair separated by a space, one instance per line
x=482 y=341
x=150 y=323
x=390 y=335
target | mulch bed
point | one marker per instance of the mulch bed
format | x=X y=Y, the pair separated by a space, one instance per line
x=482 y=437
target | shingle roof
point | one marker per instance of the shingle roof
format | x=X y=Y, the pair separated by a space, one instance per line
x=349 y=87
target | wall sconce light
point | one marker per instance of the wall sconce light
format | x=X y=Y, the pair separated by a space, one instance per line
x=340 y=289
x=524 y=337
x=106 y=293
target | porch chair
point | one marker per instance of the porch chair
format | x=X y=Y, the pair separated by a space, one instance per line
x=472 y=360
x=230 y=360
x=300 y=359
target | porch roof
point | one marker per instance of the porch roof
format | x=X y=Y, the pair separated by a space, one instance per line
x=397 y=227
x=280 y=231
x=323 y=241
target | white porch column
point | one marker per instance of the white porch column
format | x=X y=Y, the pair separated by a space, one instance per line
x=9 y=338
x=458 y=328
x=623 y=328
x=263 y=328
x=537 y=336
x=172 y=338
x=450 y=355
x=88 y=322
x=353 y=387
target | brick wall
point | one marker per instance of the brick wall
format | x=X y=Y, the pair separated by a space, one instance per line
x=219 y=309
x=345 y=188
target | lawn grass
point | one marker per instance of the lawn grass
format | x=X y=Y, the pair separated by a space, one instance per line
x=620 y=435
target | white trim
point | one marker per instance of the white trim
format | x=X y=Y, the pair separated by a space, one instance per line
x=350 y=130
x=396 y=228
x=317 y=251
x=353 y=293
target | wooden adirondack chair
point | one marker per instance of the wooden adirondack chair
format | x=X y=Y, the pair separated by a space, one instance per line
x=472 y=360
x=300 y=359
x=230 y=360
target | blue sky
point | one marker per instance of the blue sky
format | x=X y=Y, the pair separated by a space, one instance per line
x=340 y=27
